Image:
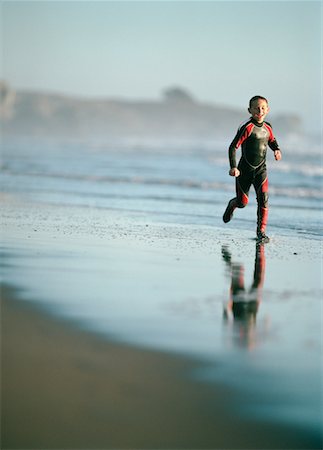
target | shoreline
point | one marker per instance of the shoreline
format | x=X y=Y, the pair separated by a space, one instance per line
x=67 y=388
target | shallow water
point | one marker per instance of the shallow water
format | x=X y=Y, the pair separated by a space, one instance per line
x=130 y=243
x=172 y=184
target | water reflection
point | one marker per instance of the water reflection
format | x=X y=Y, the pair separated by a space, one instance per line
x=242 y=308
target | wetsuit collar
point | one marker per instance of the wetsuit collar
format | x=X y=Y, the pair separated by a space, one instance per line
x=256 y=123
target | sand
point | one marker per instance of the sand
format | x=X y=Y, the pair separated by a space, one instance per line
x=64 y=387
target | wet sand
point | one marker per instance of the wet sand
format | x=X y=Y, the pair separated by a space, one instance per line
x=66 y=388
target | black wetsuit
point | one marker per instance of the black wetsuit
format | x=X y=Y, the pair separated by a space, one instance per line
x=253 y=139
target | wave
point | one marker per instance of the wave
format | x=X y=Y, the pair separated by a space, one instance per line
x=303 y=192
x=156 y=198
x=309 y=170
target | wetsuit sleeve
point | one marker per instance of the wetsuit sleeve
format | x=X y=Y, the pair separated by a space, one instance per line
x=274 y=145
x=232 y=154
x=242 y=134
x=272 y=142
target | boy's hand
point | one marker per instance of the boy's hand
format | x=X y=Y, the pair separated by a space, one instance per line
x=278 y=155
x=234 y=172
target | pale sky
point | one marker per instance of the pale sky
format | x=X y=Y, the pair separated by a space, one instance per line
x=222 y=52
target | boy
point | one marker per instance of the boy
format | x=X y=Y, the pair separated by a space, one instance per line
x=253 y=137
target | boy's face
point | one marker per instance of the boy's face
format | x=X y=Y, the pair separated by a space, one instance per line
x=258 y=110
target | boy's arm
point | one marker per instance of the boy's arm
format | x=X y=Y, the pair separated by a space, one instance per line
x=235 y=144
x=273 y=144
x=233 y=172
x=242 y=134
x=232 y=154
x=275 y=147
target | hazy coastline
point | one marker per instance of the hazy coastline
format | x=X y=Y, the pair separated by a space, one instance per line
x=177 y=115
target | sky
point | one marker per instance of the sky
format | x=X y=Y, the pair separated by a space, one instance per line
x=222 y=52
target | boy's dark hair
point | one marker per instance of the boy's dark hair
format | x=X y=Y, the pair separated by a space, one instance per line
x=255 y=98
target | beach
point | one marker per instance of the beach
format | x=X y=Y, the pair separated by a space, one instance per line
x=67 y=384
x=131 y=317
x=62 y=388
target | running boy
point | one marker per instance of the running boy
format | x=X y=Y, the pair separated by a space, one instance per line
x=253 y=137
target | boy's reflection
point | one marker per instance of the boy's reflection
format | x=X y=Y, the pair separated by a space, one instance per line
x=242 y=308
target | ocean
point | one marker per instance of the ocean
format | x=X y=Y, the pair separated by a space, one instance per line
x=179 y=182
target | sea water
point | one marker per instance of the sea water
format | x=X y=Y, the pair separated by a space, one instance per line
x=176 y=192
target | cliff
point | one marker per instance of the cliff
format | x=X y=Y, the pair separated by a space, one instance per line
x=177 y=115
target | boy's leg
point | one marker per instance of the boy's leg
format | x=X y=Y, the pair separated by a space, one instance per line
x=241 y=200
x=261 y=187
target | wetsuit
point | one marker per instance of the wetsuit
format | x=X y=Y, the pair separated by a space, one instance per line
x=253 y=139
